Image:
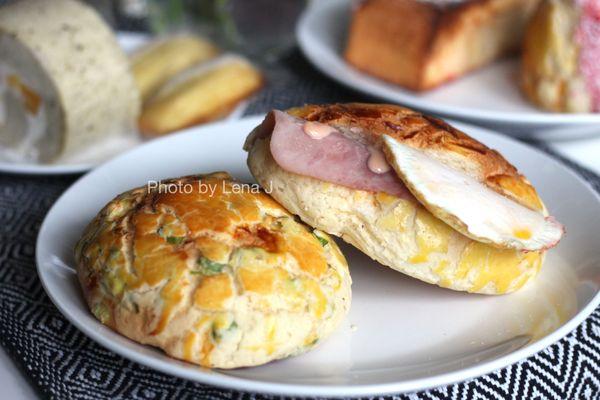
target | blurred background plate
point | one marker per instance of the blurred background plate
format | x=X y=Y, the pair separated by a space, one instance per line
x=98 y=153
x=401 y=334
x=489 y=96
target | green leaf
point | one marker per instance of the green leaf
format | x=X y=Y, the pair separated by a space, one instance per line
x=320 y=239
x=102 y=312
x=114 y=253
x=217 y=334
x=116 y=285
x=209 y=267
x=175 y=239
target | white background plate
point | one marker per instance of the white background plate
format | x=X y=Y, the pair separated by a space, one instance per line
x=100 y=152
x=489 y=96
x=401 y=334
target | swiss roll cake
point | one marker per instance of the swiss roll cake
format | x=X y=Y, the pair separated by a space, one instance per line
x=64 y=80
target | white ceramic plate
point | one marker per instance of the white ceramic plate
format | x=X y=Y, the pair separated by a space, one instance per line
x=488 y=97
x=401 y=334
x=585 y=151
x=102 y=151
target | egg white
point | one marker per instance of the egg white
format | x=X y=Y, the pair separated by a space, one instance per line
x=468 y=205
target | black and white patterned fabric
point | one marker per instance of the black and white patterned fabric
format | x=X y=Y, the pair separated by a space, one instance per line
x=64 y=364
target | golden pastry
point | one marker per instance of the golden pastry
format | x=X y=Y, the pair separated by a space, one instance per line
x=408 y=190
x=212 y=272
x=160 y=61
x=201 y=94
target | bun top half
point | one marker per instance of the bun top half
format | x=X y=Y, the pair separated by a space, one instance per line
x=431 y=135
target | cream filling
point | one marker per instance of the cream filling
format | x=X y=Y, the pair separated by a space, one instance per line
x=377 y=162
x=22 y=143
x=318 y=131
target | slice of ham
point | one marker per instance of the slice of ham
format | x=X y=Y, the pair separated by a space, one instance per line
x=334 y=158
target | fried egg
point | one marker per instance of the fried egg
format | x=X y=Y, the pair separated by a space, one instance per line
x=468 y=205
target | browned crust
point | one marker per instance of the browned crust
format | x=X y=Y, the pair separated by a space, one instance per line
x=138 y=263
x=425 y=132
x=374 y=38
x=420 y=45
x=149 y=129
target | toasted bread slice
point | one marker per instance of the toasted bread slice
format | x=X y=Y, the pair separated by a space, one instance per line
x=422 y=44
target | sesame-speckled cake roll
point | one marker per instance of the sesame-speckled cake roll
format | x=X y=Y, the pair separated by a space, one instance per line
x=64 y=80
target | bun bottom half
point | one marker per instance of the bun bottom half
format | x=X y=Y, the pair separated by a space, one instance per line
x=396 y=232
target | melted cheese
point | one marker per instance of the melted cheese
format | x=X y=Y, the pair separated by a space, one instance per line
x=189 y=344
x=213 y=292
x=318 y=303
x=501 y=267
x=432 y=236
x=263 y=281
x=317 y=130
x=398 y=218
x=206 y=349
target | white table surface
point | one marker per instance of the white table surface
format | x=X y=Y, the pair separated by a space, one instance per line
x=13 y=384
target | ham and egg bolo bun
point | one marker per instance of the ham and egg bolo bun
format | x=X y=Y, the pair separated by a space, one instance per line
x=212 y=273
x=410 y=191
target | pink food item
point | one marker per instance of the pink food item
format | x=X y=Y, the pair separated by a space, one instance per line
x=587 y=36
x=334 y=158
x=561 y=56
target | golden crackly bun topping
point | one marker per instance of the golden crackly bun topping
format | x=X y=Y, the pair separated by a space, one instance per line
x=372 y=121
x=458 y=179
x=212 y=272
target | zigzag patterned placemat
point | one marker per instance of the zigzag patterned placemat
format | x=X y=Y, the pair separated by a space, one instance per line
x=64 y=364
